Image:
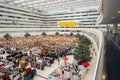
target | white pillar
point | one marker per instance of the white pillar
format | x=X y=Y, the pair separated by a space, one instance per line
x=108 y=28
x=115 y=25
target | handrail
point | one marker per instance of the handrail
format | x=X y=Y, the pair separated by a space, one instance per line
x=100 y=53
x=101 y=11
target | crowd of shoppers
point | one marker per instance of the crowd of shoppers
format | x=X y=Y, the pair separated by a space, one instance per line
x=70 y=72
x=20 y=55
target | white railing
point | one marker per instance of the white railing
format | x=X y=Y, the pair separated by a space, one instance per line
x=98 y=68
x=100 y=56
x=101 y=11
x=18 y=8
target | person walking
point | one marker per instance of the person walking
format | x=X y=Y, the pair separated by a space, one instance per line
x=58 y=60
x=63 y=73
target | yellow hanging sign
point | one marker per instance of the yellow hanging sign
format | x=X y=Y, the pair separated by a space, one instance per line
x=67 y=24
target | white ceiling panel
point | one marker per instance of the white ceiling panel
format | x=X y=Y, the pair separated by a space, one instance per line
x=53 y=5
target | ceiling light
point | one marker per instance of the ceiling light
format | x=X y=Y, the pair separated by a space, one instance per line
x=42 y=0
x=15 y=1
x=112 y=17
x=118 y=11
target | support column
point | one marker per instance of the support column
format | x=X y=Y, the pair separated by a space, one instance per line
x=108 y=28
x=115 y=27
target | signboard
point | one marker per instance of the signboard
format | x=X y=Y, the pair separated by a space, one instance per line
x=67 y=24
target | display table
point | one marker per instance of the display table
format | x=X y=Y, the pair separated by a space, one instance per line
x=30 y=75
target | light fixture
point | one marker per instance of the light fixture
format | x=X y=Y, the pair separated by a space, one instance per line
x=42 y=0
x=118 y=11
x=112 y=17
x=104 y=77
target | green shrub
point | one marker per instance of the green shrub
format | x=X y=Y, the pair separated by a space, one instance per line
x=27 y=34
x=7 y=36
x=44 y=34
x=82 y=51
x=57 y=33
x=71 y=34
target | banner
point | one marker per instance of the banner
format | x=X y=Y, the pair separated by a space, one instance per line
x=67 y=24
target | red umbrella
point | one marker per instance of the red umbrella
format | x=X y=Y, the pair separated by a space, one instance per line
x=65 y=59
x=85 y=64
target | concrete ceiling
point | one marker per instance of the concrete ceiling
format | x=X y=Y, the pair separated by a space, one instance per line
x=111 y=11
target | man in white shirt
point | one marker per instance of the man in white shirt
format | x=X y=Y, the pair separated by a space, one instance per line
x=75 y=77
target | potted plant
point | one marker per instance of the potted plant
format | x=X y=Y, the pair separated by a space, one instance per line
x=27 y=34
x=57 y=33
x=71 y=34
x=44 y=34
x=7 y=36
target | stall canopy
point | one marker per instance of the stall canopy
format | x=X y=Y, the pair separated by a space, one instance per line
x=85 y=64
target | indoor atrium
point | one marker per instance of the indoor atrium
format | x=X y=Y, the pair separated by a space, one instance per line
x=59 y=40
